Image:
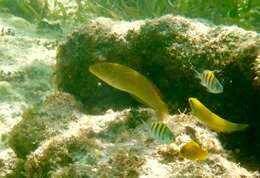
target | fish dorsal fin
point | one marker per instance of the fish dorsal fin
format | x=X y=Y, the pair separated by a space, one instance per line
x=198 y=74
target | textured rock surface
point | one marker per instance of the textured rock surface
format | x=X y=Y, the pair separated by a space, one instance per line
x=39 y=124
x=160 y=49
x=116 y=145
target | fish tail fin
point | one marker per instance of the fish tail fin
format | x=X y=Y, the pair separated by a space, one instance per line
x=242 y=126
x=238 y=127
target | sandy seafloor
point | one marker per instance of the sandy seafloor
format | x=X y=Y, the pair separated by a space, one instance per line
x=27 y=61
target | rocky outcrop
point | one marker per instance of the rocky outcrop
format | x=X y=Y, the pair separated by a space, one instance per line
x=115 y=144
x=161 y=49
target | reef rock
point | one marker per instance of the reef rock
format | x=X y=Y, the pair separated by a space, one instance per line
x=162 y=49
x=113 y=145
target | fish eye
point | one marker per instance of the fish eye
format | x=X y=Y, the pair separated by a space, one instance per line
x=190 y=101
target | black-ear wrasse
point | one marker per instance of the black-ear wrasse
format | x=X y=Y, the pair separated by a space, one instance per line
x=126 y=79
x=212 y=120
x=193 y=151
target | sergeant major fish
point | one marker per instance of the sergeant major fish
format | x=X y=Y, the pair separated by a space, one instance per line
x=161 y=132
x=209 y=81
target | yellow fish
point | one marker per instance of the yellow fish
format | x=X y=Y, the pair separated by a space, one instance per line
x=213 y=121
x=130 y=81
x=193 y=151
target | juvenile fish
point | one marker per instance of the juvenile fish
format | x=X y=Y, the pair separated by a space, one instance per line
x=193 y=151
x=130 y=81
x=209 y=81
x=162 y=133
x=213 y=121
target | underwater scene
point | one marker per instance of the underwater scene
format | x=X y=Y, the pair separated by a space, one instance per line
x=129 y=89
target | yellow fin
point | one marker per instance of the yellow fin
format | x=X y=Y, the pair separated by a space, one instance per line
x=193 y=151
x=212 y=120
x=126 y=79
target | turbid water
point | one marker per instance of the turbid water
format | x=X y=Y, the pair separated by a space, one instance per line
x=47 y=130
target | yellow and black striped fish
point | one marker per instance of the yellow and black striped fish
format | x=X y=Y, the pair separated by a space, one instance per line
x=162 y=133
x=209 y=81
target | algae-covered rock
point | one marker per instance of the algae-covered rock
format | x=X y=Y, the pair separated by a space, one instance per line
x=41 y=122
x=10 y=165
x=116 y=144
x=86 y=150
x=161 y=49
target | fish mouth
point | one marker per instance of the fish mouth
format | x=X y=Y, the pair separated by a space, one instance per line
x=191 y=102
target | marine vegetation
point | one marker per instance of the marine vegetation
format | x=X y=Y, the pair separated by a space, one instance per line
x=212 y=120
x=193 y=151
x=130 y=81
x=28 y=9
x=242 y=13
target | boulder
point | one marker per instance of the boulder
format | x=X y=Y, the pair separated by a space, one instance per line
x=162 y=49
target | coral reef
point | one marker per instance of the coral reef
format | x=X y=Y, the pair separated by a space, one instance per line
x=37 y=124
x=161 y=49
x=105 y=146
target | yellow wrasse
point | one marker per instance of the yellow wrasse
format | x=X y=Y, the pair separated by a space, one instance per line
x=213 y=121
x=193 y=151
x=130 y=81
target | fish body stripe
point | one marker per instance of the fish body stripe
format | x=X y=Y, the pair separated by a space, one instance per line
x=203 y=79
x=210 y=79
x=158 y=130
x=161 y=132
x=155 y=128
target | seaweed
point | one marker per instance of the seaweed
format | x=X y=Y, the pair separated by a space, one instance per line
x=242 y=13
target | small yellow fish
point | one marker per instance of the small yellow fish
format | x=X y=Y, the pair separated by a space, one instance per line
x=193 y=151
x=162 y=133
x=213 y=121
x=130 y=81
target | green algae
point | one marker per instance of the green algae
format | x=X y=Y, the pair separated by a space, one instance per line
x=37 y=125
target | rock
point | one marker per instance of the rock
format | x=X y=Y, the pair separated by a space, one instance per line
x=105 y=146
x=41 y=122
x=161 y=49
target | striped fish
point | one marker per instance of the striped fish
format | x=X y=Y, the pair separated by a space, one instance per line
x=209 y=81
x=162 y=133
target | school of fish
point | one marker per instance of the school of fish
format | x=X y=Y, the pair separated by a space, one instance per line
x=126 y=79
